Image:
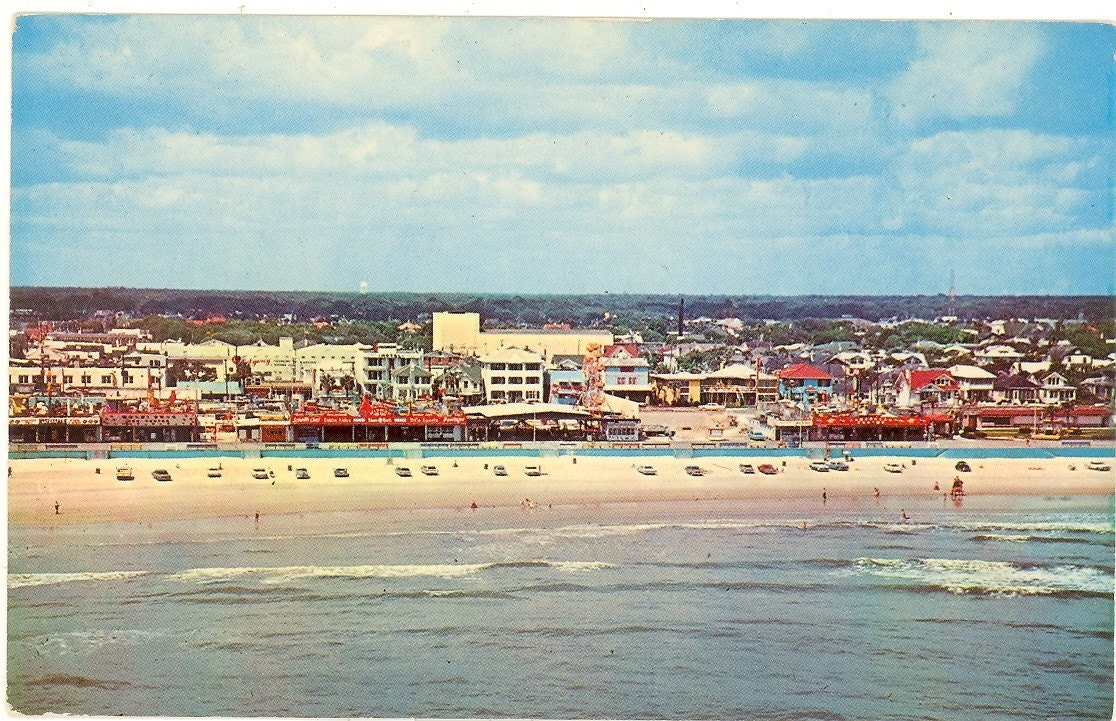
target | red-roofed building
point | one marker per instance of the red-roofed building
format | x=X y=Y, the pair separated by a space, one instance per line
x=919 y=386
x=803 y=378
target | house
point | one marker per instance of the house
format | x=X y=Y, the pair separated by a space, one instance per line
x=1015 y=389
x=800 y=380
x=997 y=353
x=461 y=381
x=917 y=387
x=411 y=382
x=1055 y=389
x=1100 y=386
x=974 y=385
x=511 y=375
x=565 y=385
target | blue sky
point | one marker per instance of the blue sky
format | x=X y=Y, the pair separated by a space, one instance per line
x=554 y=155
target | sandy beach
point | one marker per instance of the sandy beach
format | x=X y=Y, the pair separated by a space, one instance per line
x=85 y=495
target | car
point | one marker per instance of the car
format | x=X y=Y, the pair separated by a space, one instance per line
x=125 y=474
x=403 y=471
x=161 y=475
x=893 y=468
x=500 y=470
x=429 y=470
x=767 y=469
x=340 y=472
x=302 y=474
x=756 y=436
x=1098 y=466
x=747 y=468
x=533 y=471
x=259 y=473
x=647 y=470
x=213 y=473
x=819 y=466
x=962 y=466
x=695 y=470
x=712 y=407
x=838 y=466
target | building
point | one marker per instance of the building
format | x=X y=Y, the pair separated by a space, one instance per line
x=802 y=380
x=626 y=374
x=739 y=385
x=511 y=375
x=461 y=333
x=565 y=383
x=974 y=385
x=462 y=382
x=915 y=387
x=378 y=373
x=677 y=389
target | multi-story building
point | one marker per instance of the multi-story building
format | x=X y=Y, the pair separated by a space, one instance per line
x=739 y=385
x=379 y=375
x=461 y=333
x=512 y=375
x=626 y=374
x=974 y=385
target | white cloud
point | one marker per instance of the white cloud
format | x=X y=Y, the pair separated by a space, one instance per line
x=965 y=70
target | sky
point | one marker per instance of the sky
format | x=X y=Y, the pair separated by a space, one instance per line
x=555 y=155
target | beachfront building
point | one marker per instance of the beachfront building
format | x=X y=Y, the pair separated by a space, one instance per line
x=802 y=380
x=677 y=389
x=974 y=385
x=739 y=385
x=461 y=333
x=1015 y=388
x=411 y=382
x=565 y=382
x=626 y=376
x=510 y=375
x=932 y=387
x=460 y=381
x=377 y=372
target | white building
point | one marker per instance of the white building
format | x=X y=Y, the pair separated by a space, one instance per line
x=974 y=385
x=510 y=375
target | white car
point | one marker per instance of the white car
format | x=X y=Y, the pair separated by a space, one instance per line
x=647 y=470
x=893 y=468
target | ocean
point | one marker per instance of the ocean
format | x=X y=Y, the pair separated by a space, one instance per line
x=994 y=608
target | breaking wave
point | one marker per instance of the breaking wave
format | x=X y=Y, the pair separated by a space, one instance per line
x=21 y=580
x=293 y=573
x=991 y=578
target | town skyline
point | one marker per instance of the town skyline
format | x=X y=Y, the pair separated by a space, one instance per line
x=550 y=156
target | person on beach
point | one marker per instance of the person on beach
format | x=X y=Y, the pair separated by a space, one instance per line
x=257 y=518
x=936 y=486
x=56 y=511
x=903 y=514
x=473 y=505
x=876 y=492
x=825 y=496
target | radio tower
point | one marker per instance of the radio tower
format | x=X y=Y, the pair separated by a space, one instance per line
x=952 y=310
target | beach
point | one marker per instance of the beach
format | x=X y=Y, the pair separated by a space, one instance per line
x=85 y=495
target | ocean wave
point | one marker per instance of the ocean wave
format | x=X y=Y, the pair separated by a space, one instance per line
x=78 y=681
x=286 y=574
x=21 y=580
x=991 y=578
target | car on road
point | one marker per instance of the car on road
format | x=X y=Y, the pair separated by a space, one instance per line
x=747 y=468
x=429 y=470
x=260 y=473
x=695 y=470
x=893 y=468
x=125 y=474
x=838 y=466
x=340 y=472
x=403 y=471
x=767 y=469
x=500 y=470
x=819 y=466
x=712 y=407
x=647 y=470
x=302 y=474
x=161 y=475
x=962 y=466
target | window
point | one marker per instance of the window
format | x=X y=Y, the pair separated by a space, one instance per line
x=530 y=366
x=499 y=367
x=23 y=379
x=67 y=379
x=515 y=366
x=515 y=381
x=498 y=380
x=532 y=395
x=86 y=380
x=106 y=380
x=496 y=395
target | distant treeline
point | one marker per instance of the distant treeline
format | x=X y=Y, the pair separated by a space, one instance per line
x=578 y=310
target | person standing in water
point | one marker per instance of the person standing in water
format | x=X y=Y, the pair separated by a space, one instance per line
x=825 y=496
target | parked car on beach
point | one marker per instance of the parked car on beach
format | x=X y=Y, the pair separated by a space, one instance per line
x=695 y=470
x=403 y=471
x=213 y=473
x=341 y=472
x=962 y=466
x=767 y=469
x=161 y=475
x=429 y=470
x=302 y=474
x=893 y=468
x=260 y=473
x=532 y=471
x=500 y=470
x=646 y=470
x=747 y=468
x=838 y=466
x=125 y=474
x=1098 y=466
x=819 y=466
